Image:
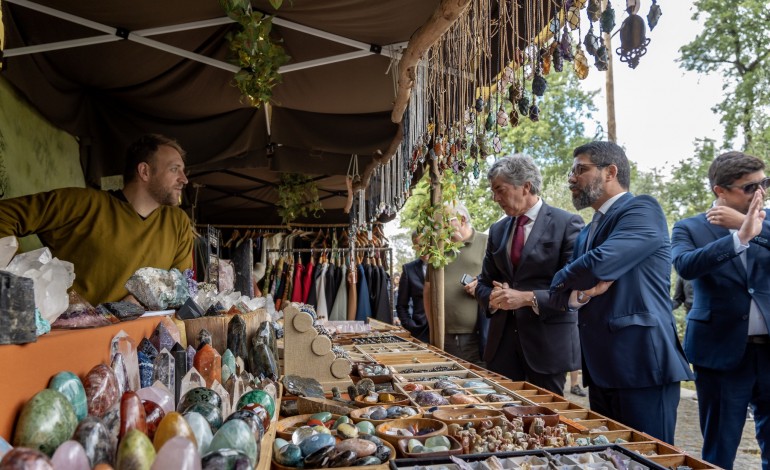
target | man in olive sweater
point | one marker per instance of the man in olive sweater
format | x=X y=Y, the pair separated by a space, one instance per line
x=109 y=235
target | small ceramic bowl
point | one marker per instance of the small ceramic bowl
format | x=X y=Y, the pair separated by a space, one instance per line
x=400 y=399
x=463 y=416
x=418 y=426
x=403 y=448
x=356 y=415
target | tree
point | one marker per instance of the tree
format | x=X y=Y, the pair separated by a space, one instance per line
x=687 y=192
x=734 y=43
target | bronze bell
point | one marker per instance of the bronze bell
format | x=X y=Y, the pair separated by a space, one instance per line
x=633 y=40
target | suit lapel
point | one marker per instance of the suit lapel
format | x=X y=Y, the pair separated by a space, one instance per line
x=605 y=220
x=502 y=254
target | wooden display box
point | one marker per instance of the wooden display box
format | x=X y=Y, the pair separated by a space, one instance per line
x=217 y=326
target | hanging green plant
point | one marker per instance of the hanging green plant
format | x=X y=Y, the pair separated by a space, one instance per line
x=257 y=53
x=297 y=197
x=433 y=223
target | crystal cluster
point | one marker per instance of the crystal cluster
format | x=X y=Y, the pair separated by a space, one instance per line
x=158 y=289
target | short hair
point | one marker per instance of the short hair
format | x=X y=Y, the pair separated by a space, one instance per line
x=517 y=170
x=458 y=208
x=607 y=153
x=732 y=166
x=143 y=149
x=415 y=236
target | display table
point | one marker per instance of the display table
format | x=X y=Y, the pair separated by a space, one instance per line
x=26 y=369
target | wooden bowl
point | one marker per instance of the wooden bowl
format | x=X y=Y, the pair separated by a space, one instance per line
x=355 y=415
x=401 y=399
x=462 y=416
x=285 y=427
x=278 y=466
x=529 y=413
x=439 y=428
x=455 y=448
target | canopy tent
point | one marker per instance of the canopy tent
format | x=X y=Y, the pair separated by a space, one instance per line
x=336 y=99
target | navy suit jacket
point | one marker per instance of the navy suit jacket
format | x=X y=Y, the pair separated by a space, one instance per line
x=550 y=340
x=410 y=287
x=718 y=322
x=628 y=335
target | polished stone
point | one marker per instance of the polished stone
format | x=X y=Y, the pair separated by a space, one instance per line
x=70 y=455
x=228 y=359
x=263 y=363
x=172 y=425
x=361 y=447
x=226 y=459
x=161 y=338
x=132 y=415
x=111 y=421
x=236 y=337
x=102 y=390
x=93 y=435
x=319 y=458
x=146 y=347
x=208 y=362
x=69 y=385
x=236 y=434
x=236 y=388
x=122 y=343
x=26 y=459
x=347 y=431
x=159 y=394
x=164 y=368
x=199 y=395
x=365 y=427
x=17 y=309
x=212 y=414
x=46 y=421
x=123 y=311
x=252 y=419
x=146 y=368
x=79 y=314
x=180 y=368
x=302 y=386
x=135 y=452
x=177 y=453
x=289 y=455
x=343 y=459
x=118 y=366
x=153 y=414
x=310 y=444
x=259 y=397
x=201 y=429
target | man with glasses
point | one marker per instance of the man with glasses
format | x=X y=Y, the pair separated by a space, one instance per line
x=619 y=281
x=725 y=252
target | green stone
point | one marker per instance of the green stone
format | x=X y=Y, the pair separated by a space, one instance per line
x=323 y=416
x=341 y=420
x=437 y=441
x=135 y=451
x=365 y=427
x=260 y=397
x=46 y=421
x=69 y=385
x=236 y=434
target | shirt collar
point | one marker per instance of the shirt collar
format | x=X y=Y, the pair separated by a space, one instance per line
x=609 y=202
x=534 y=210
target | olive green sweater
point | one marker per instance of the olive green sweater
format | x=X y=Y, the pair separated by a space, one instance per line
x=102 y=235
x=460 y=308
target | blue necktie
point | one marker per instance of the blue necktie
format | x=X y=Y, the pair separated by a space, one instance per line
x=592 y=229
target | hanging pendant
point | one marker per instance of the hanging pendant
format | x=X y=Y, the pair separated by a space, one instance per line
x=607 y=20
x=497 y=144
x=594 y=10
x=654 y=15
x=581 y=64
x=565 y=45
x=523 y=104
x=476 y=169
x=573 y=17
x=539 y=85
x=601 y=61
x=502 y=117
x=513 y=116
x=591 y=41
x=534 y=113
x=554 y=26
x=490 y=122
x=558 y=65
x=479 y=105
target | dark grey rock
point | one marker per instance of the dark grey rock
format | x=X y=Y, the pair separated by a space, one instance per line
x=302 y=386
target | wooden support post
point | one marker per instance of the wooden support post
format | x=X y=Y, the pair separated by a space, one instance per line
x=436 y=275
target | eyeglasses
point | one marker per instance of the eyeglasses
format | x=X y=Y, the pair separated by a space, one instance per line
x=751 y=188
x=581 y=168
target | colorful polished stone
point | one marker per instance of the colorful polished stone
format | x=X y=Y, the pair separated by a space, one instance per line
x=259 y=397
x=225 y=459
x=132 y=414
x=101 y=388
x=200 y=427
x=146 y=366
x=135 y=452
x=26 y=459
x=250 y=418
x=146 y=347
x=228 y=359
x=262 y=361
x=70 y=455
x=111 y=421
x=122 y=343
x=236 y=337
x=312 y=443
x=118 y=366
x=208 y=362
x=46 y=421
x=212 y=414
x=289 y=455
x=158 y=394
x=173 y=424
x=93 y=435
x=153 y=415
x=177 y=453
x=163 y=369
x=199 y=395
x=161 y=338
x=236 y=434
x=69 y=385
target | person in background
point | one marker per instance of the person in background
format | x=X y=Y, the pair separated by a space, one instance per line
x=528 y=338
x=108 y=235
x=410 y=308
x=725 y=254
x=619 y=281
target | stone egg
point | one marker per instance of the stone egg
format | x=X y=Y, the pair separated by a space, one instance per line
x=46 y=421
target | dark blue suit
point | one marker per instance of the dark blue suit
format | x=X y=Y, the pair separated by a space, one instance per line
x=632 y=359
x=730 y=373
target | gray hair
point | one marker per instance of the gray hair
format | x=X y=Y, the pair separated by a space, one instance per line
x=458 y=208
x=517 y=170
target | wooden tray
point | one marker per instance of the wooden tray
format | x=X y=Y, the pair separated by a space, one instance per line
x=401 y=399
x=285 y=427
x=421 y=423
x=529 y=413
x=355 y=415
x=454 y=449
x=382 y=466
x=459 y=415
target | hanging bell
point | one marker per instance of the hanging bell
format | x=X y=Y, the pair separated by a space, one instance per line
x=607 y=21
x=539 y=85
x=502 y=117
x=654 y=15
x=573 y=17
x=633 y=40
x=591 y=41
x=558 y=60
x=489 y=124
x=523 y=104
x=601 y=60
x=534 y=113
x=594 y=10
x=581 y=64
x=479 y=105
x=565 y=45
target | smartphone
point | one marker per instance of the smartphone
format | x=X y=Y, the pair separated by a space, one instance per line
x=466 y=279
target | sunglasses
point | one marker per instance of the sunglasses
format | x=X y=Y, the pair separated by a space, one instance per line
x=581 y=168
x=751 y=188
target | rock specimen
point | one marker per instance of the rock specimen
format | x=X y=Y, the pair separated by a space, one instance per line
x=190 y=310
x=236 y=337
x=69 y=385
x=263 y=363
x=46 y=421
x=51 y=276
x=17 y=309
x=101 y=390
x=236 y=434
x=80 y=314
x=158 y=289
x=123 y=311
x=135 y=451
x=208 y=362
x=302 y=386
x=93 y=435
x=132 y=414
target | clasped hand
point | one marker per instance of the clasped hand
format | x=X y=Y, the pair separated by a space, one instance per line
x=503 y=297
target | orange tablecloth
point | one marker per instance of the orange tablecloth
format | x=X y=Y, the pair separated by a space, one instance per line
x=26 y=369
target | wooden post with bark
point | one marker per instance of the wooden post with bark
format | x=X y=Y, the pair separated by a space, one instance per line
x=436 y=275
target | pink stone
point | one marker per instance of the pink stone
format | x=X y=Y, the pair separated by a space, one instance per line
x=70 y=455
x=123 y=344
x=101 y=387
x=178 y=453
x=22 y=458
x=160 y=396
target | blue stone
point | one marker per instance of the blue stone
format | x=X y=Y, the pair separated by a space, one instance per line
x=69 y=385
x=289 y=455
x=145 y=346
x=145 y=369
x=315 y=442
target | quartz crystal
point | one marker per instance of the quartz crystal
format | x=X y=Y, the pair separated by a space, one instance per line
x=190 y=356
x=8 y=247
x=193 y=379
x=52 y=278
x=158 y=289
x=163 y=369
x=70 y=455
x=222 y=392
x=122 y=343
x=118 y=366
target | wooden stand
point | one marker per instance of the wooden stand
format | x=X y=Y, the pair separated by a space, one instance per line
x=308 y=354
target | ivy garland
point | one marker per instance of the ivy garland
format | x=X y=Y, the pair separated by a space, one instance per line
x=297 y=197
x=433 y=223
x=256 y=52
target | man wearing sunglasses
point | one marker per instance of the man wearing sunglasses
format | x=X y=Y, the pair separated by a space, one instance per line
x=725 y=252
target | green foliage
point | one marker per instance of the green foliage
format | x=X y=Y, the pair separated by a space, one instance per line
x=256 y=52
x=297 y=197
x=686 y=192
x=733 y=43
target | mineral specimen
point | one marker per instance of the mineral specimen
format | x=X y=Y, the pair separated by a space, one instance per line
x=17 y=309
x=158 y=289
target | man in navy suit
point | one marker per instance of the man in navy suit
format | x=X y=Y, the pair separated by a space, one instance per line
x=409 y=304
x=724 y=253
x=632 y=359
x=528 y=339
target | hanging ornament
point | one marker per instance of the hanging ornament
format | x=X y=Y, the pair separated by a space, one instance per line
x=479 y=105
x=534 y=113
x=481 y=139
x=490 y=122
x=601 y=61
x=607 y=21
x=539 y=85
x=523 y=104
x=591 y=41
x=633 y=40
x=514 y=93
x=594 y=10
x=632 y=6
x=508 y=75
x=554 y=26
x=573 y=17
x=474 y=150
x=558 y=60
x=497 y=144
x=513 y=116
x=438 y=148
x=581 y=64
x=654 y=15
x=461 y=166
x=476 y=169
x=566 y=46
x=545 y=63
x=502 y=117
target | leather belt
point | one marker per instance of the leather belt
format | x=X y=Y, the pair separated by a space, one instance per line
x=759 y=339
